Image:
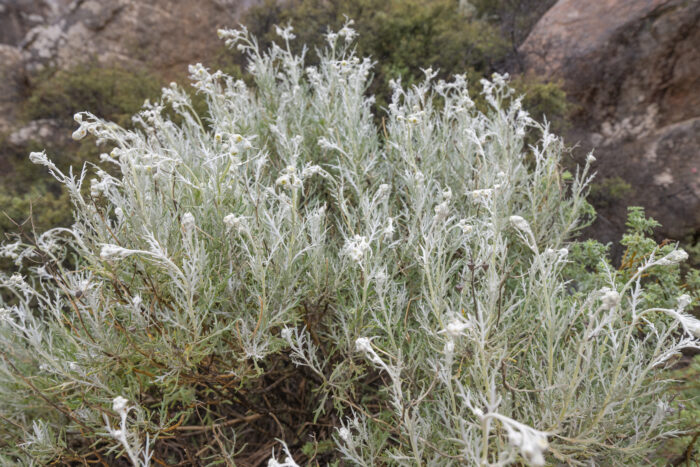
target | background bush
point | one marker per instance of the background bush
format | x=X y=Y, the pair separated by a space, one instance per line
x=113 y=93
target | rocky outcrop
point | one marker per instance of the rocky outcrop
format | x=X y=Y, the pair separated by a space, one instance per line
x=44 y=129
x=633 y=69
x=17 y=17
x=163 y=36
x=166 y=35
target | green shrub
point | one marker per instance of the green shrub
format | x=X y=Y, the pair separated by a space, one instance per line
x=684 y=450
x=609 y=190
x=54 y=210
x=287 y=278
x=402 y=36
x=112 y=93
x=544 y=100
x=515 y=17
x=662 y=287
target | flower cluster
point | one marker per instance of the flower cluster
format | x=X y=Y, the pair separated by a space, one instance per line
x=287 y=462
x=357 y=247
x=609 y=298
x=455 y=328
x=112 y=252
x=675 y=257
x=531 y=443
x=234 y=222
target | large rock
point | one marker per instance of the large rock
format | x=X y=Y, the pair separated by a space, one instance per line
x=165 y=35
x=160 y=36
x=633 y=68
x=19 y=16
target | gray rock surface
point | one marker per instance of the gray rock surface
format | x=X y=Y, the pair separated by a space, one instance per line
x=44 y=129
x=163 y=36
x=166 y=35
x=633 y=68
x=17 y=17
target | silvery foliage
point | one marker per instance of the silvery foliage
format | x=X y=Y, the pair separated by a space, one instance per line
x=435 y=243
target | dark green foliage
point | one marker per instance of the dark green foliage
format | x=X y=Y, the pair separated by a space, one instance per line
x=25 y=189
x=663 y=284
x=544 y=100
x=46 y=207
x=110 y=92
x=607 y=191
x=515 y=17
x=405 y=36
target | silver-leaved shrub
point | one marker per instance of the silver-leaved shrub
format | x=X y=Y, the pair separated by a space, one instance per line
x=293 y=279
